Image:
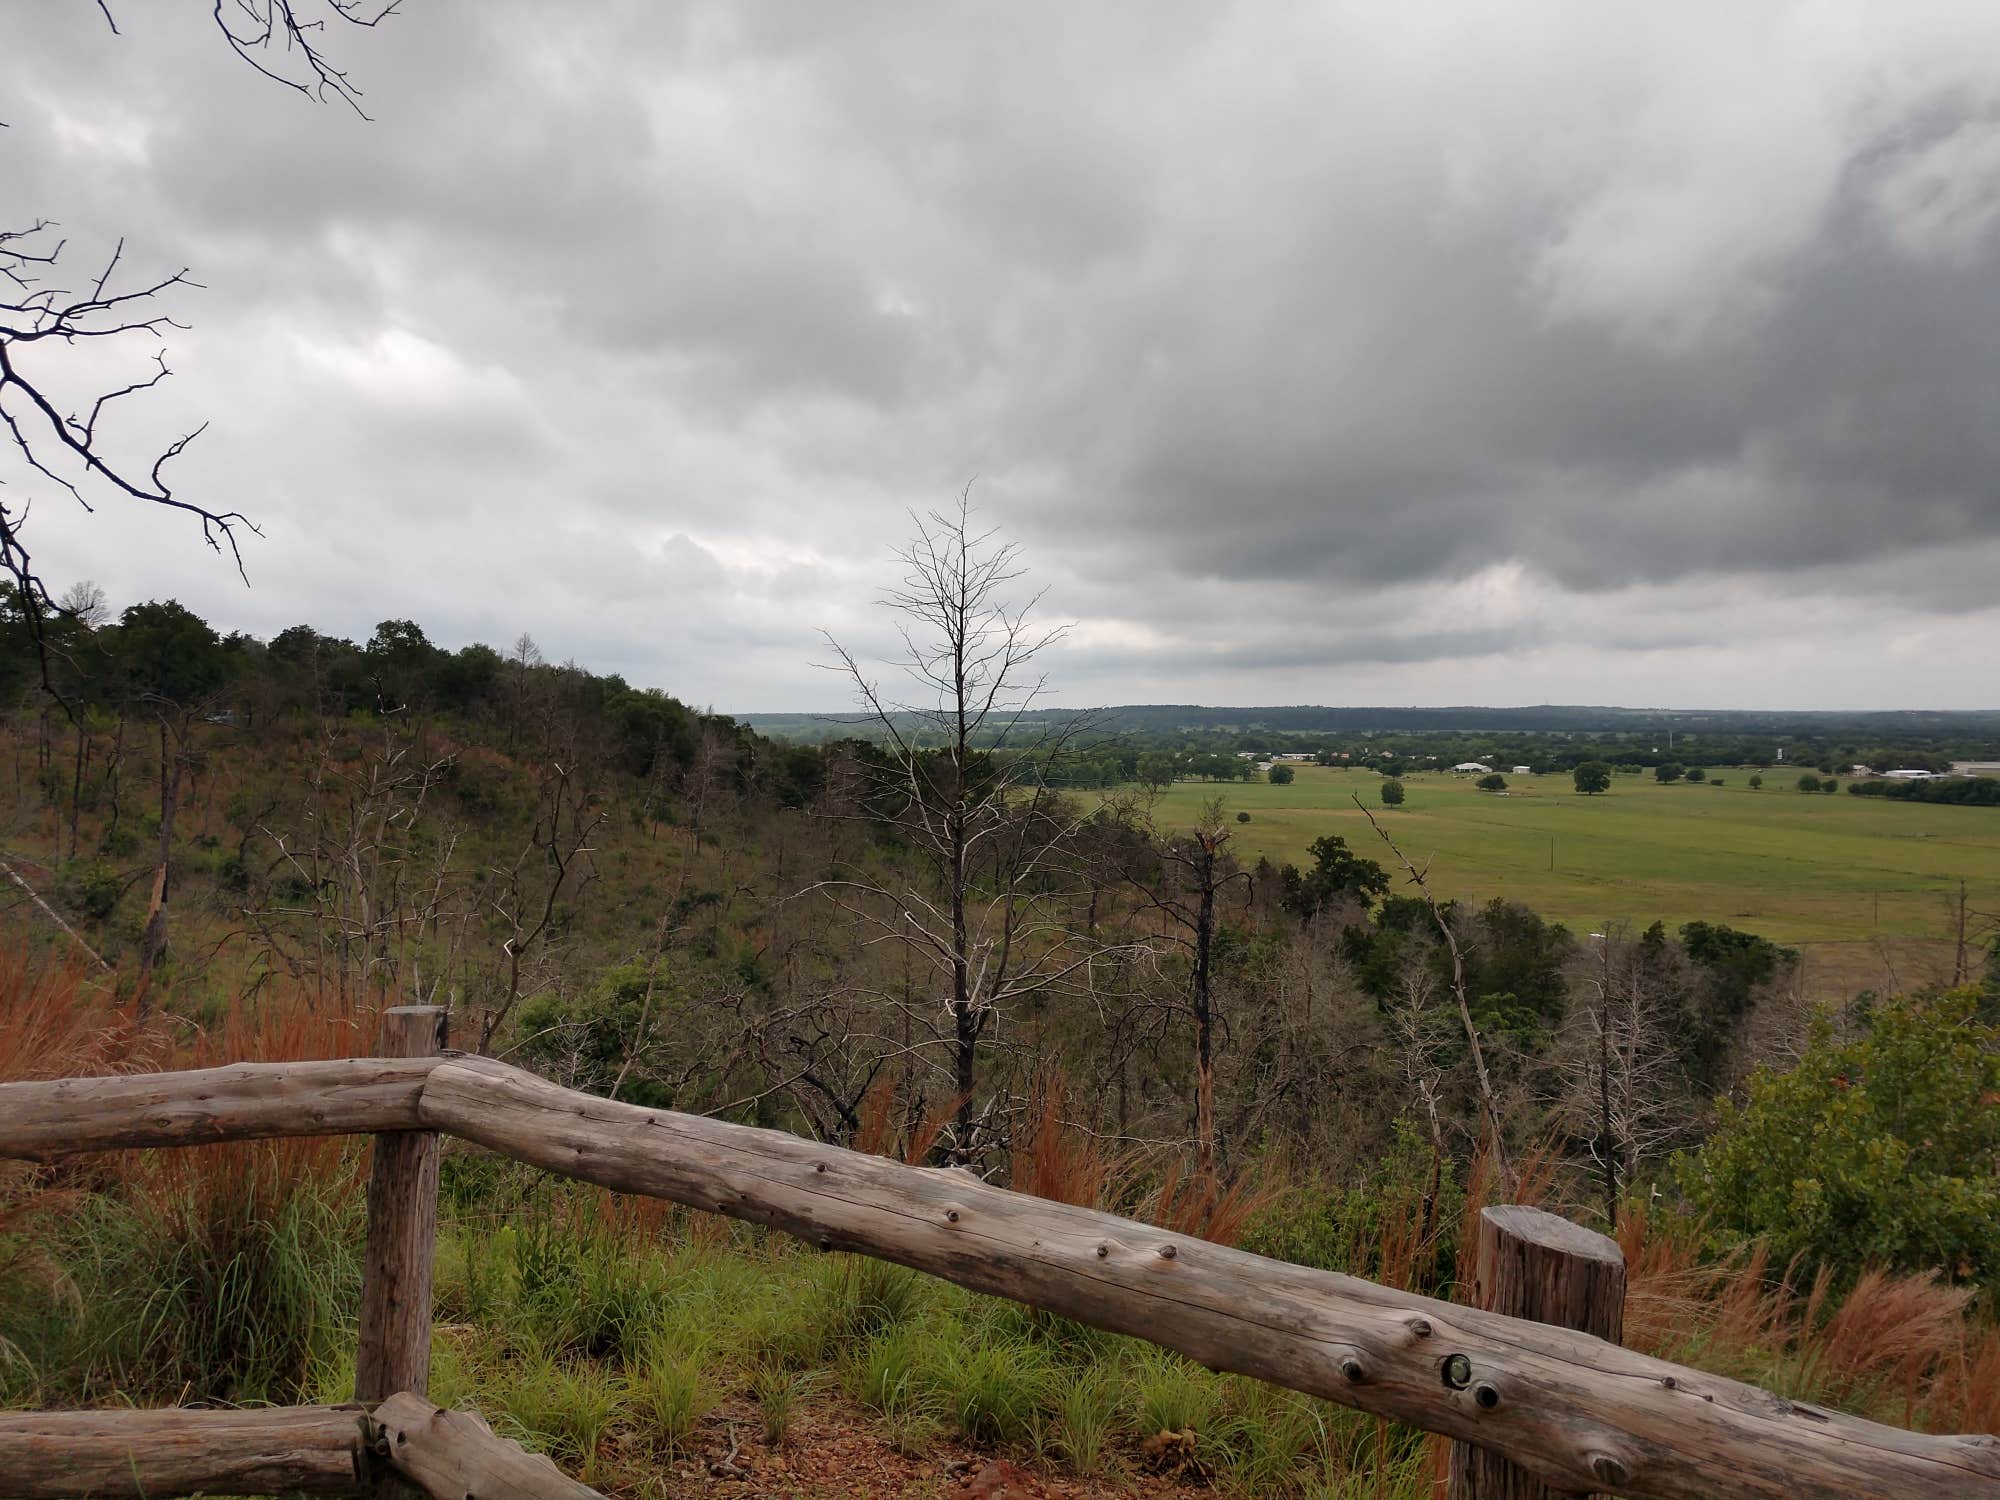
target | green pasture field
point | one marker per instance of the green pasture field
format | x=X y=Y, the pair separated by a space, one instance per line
x=1794 y=867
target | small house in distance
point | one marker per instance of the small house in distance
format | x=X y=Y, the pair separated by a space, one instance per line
x=1473 y=767
x=1524 y=771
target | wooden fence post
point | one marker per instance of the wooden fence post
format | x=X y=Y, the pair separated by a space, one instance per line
x=395 y=1349
x=1532 y=1264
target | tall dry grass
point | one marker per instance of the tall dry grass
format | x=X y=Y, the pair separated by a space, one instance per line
x=1902 y=1348
x=220 y=1272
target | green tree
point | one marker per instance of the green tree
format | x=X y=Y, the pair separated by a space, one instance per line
x=1670 y=770
x=1696 y=773
x=1880 y=1150
x=1280 y=775
x=1337 y=873
x=1809 y=782
x=1492 y=782
x=1392 y=793
x=1592 y=777
x=1756 y=782
x=1156 y=770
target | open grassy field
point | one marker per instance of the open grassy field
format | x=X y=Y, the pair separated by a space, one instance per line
x=1795 y=868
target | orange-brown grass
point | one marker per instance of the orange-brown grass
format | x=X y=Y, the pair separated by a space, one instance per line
x=58 y=1021
x=227 y=1237
x=1899 y=1347
x=1193 y=1202
x=1060 y=1161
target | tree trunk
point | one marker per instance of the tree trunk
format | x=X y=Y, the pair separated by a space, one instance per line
x=153 y=940
x=1204 y=1019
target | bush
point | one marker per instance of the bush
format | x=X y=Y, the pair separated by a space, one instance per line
x=1243 y=817
x=1281 y=775
x=90 y=888
x=1697 y=774
x=1883 y=1150
x=1493 y=782
x=1666 y=771
x=1809 y=782
x=1392 y=793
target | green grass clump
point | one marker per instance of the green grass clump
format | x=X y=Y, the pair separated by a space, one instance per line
x=672 y=1392
x=563 y=1409
x=990 y=1391
x=1086 y=1417
x=229 y=1282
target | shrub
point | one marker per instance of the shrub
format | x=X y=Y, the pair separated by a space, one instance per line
x=1492 y=782
x=1671 y=770
x=1280 y=775
x=1696 y=774
x=1809 y=782
x=1880 y=1150
x=1243 y=817
x=89 y=887
x=1392 y=793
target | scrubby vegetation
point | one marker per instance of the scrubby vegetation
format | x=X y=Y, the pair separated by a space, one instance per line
x=637 y=1342
x=927 y=945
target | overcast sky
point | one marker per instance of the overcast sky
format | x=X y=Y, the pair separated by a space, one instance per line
x=1320 y=353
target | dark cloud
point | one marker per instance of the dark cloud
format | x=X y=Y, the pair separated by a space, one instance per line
x=1348 y=352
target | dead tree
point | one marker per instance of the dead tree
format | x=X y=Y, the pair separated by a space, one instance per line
x=964 y=775
x=523 y=895
x=1196 y=868
x=61 y=443
x=61 y=448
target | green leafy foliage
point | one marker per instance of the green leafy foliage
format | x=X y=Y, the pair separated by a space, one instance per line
x=1884 y=1149
x=1592 y=777
x=1338 y=874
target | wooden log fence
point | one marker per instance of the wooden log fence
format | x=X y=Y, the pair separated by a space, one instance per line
x=1567 y=1410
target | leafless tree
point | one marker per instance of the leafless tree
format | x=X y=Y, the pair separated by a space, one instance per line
x=1489 y=1104
x=61 y=441
x=1620 y=1087
x=555 y=862
x=369 y=891
x=965 y=775
x=61 y=444
x=1196 y=869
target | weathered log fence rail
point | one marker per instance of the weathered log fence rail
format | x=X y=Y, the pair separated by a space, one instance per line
x=1556 y=1409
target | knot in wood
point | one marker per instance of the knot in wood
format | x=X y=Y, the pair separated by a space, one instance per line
x=1168 y=1252
x=1353 y=1370
x=1103 y=1251
x=1486 y=1395
x=1608 y=1470
x=951 y=1216
x=1420 y=1328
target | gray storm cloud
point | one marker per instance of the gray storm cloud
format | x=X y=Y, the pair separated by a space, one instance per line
x=1411 y=354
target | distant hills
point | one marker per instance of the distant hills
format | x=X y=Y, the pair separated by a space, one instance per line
x=1166 y=719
